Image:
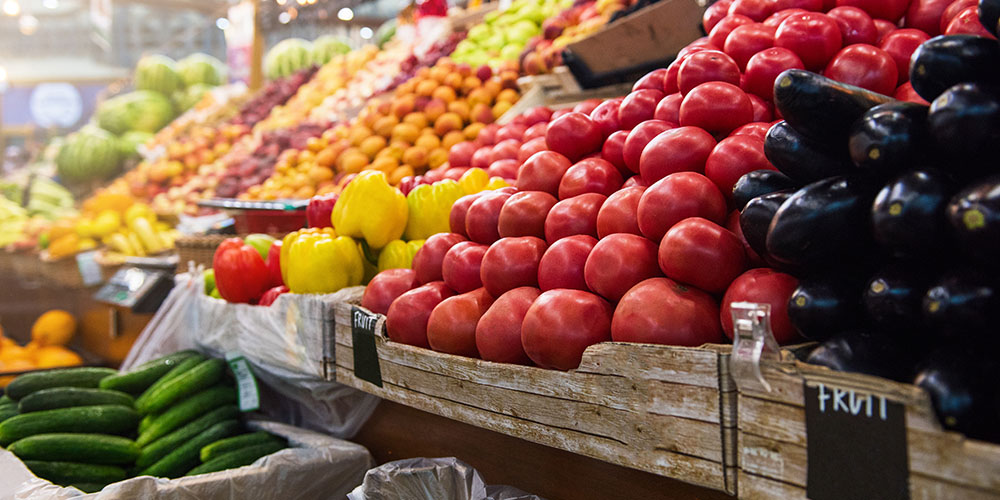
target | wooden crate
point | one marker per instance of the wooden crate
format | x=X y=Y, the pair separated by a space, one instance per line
x=660 y=409
x=772 y=438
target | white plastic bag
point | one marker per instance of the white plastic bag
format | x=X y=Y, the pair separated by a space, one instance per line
x=431 y=479
x=166 y=332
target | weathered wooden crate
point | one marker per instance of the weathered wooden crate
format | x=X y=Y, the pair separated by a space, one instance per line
x=665 y=410
x=772 y=449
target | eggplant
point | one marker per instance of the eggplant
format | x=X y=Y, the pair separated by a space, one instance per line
x=947 y=60
x=961 y=303
x=894 y=296
x=908 y=215
x=889 y=138
x=757 y=183
x=964 y=125
x=989 y=14
x=865 y=351
x=823 y=225
x=974 y=213
x=801 y=159
x=820 y=108
x=756 y=217
x=821 y=307
x=960 y=383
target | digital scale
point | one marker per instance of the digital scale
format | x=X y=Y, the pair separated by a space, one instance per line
x=139 y=289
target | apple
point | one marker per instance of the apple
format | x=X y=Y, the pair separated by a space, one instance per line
x=682 y=149
x=459 y=210
x=561 y=324
x=669 y=108
x=618 y=213
x=695 y=243
x=510 y=263
x=638 y=107
x=652 y=80
x=406 y=320
x=427 y=261
x=451 y=327
x=506 y=149
x=386 y=286
x=460 y=266
x=498 y=334
x=542 y=172
x=573 y=135
x=481 y=221
x=482 y=158
x=563 y=263
x=576 y=215
x=529 y=148
x=524 y=213
x=605 y=115
x=662 y=311
x=618 y=262
x=638 y=138
x=504 y=169
x=590 y=175
x=675 y=198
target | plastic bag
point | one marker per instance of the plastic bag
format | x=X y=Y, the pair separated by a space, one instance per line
x=166 y=332
x=431 y=479
x=316 y=466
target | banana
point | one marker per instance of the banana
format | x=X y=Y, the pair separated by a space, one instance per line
x=141 y=227
x=133 y=240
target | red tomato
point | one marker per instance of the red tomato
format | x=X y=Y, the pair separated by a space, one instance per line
x=747 y=40
x=574 y=135
x=586 y=107
x=732 y=158
x=511 y=263
x=756 y=129
x=563 y=263
x=717 y=107
x=762 y=110
x=669 y=108
x=460 y=155
x=427 y=261
x=670 y=80
x=890 y=10
x=507 y=169
x=809 y=5
x=814 y=37
x=481 y=220
x=706 y=66
x=774 y=20
x=613 y=149
x=541 y=172
x=605 y=115
x=532 y=146
x=900 y=45
x=758 y=10
x=662 y=311
x=925 y=15
x=618 y=213
x=576 y=215
x=702 y=253
x=523 y=214
x=733 y=225
x=638 y=138
x=884 y=28
x=865 y=66
x=652 y=80
x=451 y=327
x=406 y=321
x=618 y=262
x=590 y=175
x=714 y=13
x=765 y=286
x=856 y=26
x=725 y=26
x=953 y=9
x=461 y=264
x=682 y=149
x=905 y=92
x=498 y=334
x=635 y=181
x=967 y=23
x=456 y=218
x=675 y=198
x=638 y=107
x=561 y=324
x=536 y=131
x=386 y=286
x=764 y=67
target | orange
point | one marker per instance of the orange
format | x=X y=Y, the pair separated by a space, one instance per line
x=399 y=173
x=55 y=327
x=55 y=356
x=372 y=145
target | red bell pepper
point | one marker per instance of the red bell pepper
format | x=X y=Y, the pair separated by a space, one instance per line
x=240 y=273
x=319 y=209
x=273 y=262
x=271 y=295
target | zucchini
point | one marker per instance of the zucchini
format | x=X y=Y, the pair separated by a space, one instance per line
x=234 y=443
x=238 y=458
x=186 y=411
x=7 y=411
x=85 y=448
x=72 y=472
x=66 y=397
x=145 y=375
x=63 y=377
x=174 y=372
x=205 y=375
x=186 y=456
x=5 y=400
x=161 y=447
x=146 y=422
x=107 y=419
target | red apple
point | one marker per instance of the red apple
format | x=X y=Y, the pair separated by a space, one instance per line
x=613 y=149
x=638 y=107
x=386 y=286
x=451 y=327
x=576 y=215
x=529 y=148
x=406 y=321
x=618 y=262
x=563 y=263
x=510 y=263
x=561 y=324
x=542 y=172
x=460 y=267
x=590 y=175
x=481 y=221
x=573 y=135
x=524 y=213
x=605 y=115
x=662 y=311
x=498 y=334
x=675 y=198
x=459 y=210
x=618 y=214
x=639 y=137
x=682 y=149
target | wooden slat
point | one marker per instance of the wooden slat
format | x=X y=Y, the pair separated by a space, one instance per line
x=752 y=487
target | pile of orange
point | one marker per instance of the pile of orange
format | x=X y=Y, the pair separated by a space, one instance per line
x=47 y=348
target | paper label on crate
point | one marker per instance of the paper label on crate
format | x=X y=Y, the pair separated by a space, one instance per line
x=90 y=270
x=246 y=384
x=364 y=328
x=856 y=445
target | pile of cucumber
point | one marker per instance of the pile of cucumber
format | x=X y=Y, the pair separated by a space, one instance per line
x=89 y=427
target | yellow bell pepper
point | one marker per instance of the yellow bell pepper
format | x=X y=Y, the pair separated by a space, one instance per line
x=429 y=207
x=496 y=183
x=371 y=209
x=474 y=180
x=398 y=254
x=318 y=261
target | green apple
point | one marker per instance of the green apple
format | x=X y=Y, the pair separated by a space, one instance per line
x=535 y=14
x=495 y=42
x=479 y=32
x=491 y=17
x=511 y=52
x=260 y=242
x=209 y=275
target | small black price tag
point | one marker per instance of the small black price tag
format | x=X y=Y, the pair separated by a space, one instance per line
x=366 y=366
x=856 y=445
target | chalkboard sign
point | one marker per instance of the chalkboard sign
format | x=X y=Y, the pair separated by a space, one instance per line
x=363 y=331
x=856 y=445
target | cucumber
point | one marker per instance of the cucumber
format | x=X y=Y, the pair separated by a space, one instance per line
x=5 y=400
x=63 y=377
x=205 y=375
x=72 y=472
x=161 y=447
x=7 y=411
x=107 y=419
x=186 y=411
x=89 y=487
x=66 y=397
x=234 y=443
x=237 y=458
x=85 y=448
x=185 y=457
x=174 y=372
x=146 y=374
x=146 y=422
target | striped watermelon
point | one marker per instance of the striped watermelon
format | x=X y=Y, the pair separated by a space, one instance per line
x=327 y=46
x=90 y=154
x=201 y=68
x=157 y=73
x=142 y=110
x=287 y=57
x=129 y=142
x=187 y=98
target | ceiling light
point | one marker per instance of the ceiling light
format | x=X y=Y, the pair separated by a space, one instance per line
x=366 y=33
x=11 y=7
x=345 y=14
x=222 y=23
x=50 y=4
x=301 y=2
x=28 y=24
x=284 y=18
x=282 y=2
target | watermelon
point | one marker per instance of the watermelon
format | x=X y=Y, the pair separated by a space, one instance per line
x=158 y=73
x=90 y=154
x=201 y=68
x=187 y=98
x=142 y=110
x=287 y=57
x=130 y=141
x=327 y=46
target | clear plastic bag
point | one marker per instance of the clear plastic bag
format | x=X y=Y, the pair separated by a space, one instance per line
x=431 y=479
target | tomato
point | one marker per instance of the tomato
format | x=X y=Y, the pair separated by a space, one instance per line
x=586 y=107
x=406 y=321
x=953 y=9
x=590 y=175
x=725 y=26
x=756 y=129
x=481 y=219
x=652 y=80
x=670 y=80
x=638 y=138
x=605 y=115
x=576 y=215
x=510 y=263
x=865 y=66
x=706 y=66
x=901 y=44
x=460 y=155
x=498 y=334
x=809 y=5
x=618 y=262
x=905 y=92
x=613 y=149
x=747 y=40
x=733 y=225
x=765 y=286
x=675 y=198
x=561 y=324
x=541 y=172
x=702 y=253
x=456 y=218
x=461 y=264
x=638 y=106
x=758 y=10
x=386 y=286
x=714 y=13
x=967 y=23
x=884 y=28
x=574 y=135
x=926 y=15
x=732 y=158
x=635 y=181
x=717 y=107
x=890 y=10
x=814 y=37
x=427 y=261
x=682 y=149
x=774 y=20
x=763 y=111
x=764 y=67
x=669 y=108
x=523 y=214
x=662 y=311
x=562 y=264
x=618 y=213
x=451 y=327
x=856 y=26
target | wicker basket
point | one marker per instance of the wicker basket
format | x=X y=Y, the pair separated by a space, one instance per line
x=200 y=249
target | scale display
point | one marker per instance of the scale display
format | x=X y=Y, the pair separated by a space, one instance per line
x=141 y=290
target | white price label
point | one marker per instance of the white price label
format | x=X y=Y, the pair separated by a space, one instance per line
x=90 y=270
x=246 y=383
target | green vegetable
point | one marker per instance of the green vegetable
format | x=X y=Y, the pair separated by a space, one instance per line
x=73 y=472
x=185 y=457
x=85 y=448
x=146 y=422
x=234 y=443
x=7 y=411
x=161 y=447
x=158 y=398
x=237 y=458
x=174 y=372
x=64 y=377
x=186 y=411
x=145 y=375
x=66 y=397
x=109 y=419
